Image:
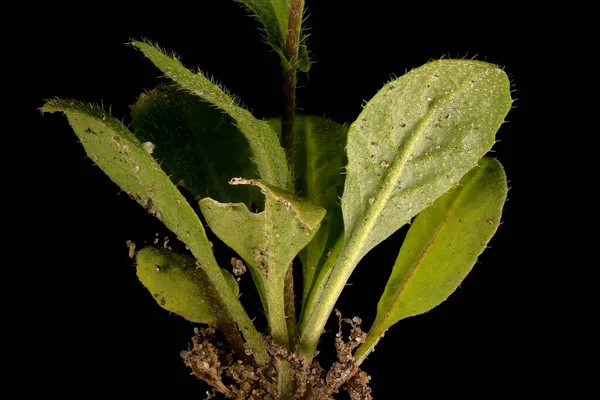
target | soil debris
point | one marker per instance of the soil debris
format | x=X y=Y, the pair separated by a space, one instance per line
x=238 y=266
x=131 y=247
x=217 y=365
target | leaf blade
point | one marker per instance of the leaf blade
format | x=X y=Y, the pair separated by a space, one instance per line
x=268 y=242
x=195 y=144
x=441 y=248
x=177 y=284
x=445 y=113
x=402 y=155
x=268 y=155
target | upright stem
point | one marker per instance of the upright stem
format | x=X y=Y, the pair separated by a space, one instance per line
x=288 y=131
x=286 y=384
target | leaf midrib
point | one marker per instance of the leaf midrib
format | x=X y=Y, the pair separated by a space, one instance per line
x=396 y=171
x=451 y=209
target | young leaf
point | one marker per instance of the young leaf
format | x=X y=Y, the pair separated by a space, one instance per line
x=268 y=155
x=413 y=142
x=319 y=157
x=274 y=15
x=178 y=285
x=198 y=146
x=128 y=163
x=441 y=248
x=267 y=241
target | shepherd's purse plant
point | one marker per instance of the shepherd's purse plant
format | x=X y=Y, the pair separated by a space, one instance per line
x=305 y=188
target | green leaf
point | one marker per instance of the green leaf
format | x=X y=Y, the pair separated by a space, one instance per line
x=198 y=146
x=129 y=164
x=178 y=285
x=441 y=248
x=267 y=241
x=414 y=141
x=319 y=156
x=274 y=15
x=268 y=155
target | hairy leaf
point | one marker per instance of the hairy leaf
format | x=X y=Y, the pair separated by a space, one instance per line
x=268 y=155
x=414 y=141
x=178 y=285
x=319 y=157
x=274 y=15
x=129 y=164
x=197 y=145
x=267 y=241
x=441 y=248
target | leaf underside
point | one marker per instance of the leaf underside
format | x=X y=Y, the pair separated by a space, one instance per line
x=267 y=153
x=197 y=145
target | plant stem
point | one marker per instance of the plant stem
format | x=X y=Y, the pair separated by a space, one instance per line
x=288 y=129
x=288 y=140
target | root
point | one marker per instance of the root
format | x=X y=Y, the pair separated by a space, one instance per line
x=236 y=380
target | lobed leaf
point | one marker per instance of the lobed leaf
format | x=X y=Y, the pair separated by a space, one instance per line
x=274 y=15
x=198 y=146
x=178 y=285
x=441 y=248
x=268 y=155
x=268 y=241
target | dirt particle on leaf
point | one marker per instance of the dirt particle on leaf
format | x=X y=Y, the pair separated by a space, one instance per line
x=238 y=266
x=131 y=247
x=149 y=147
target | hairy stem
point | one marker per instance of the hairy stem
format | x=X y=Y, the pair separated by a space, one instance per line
x=288 y=129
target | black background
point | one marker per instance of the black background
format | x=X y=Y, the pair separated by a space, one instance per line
x=100 y=328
